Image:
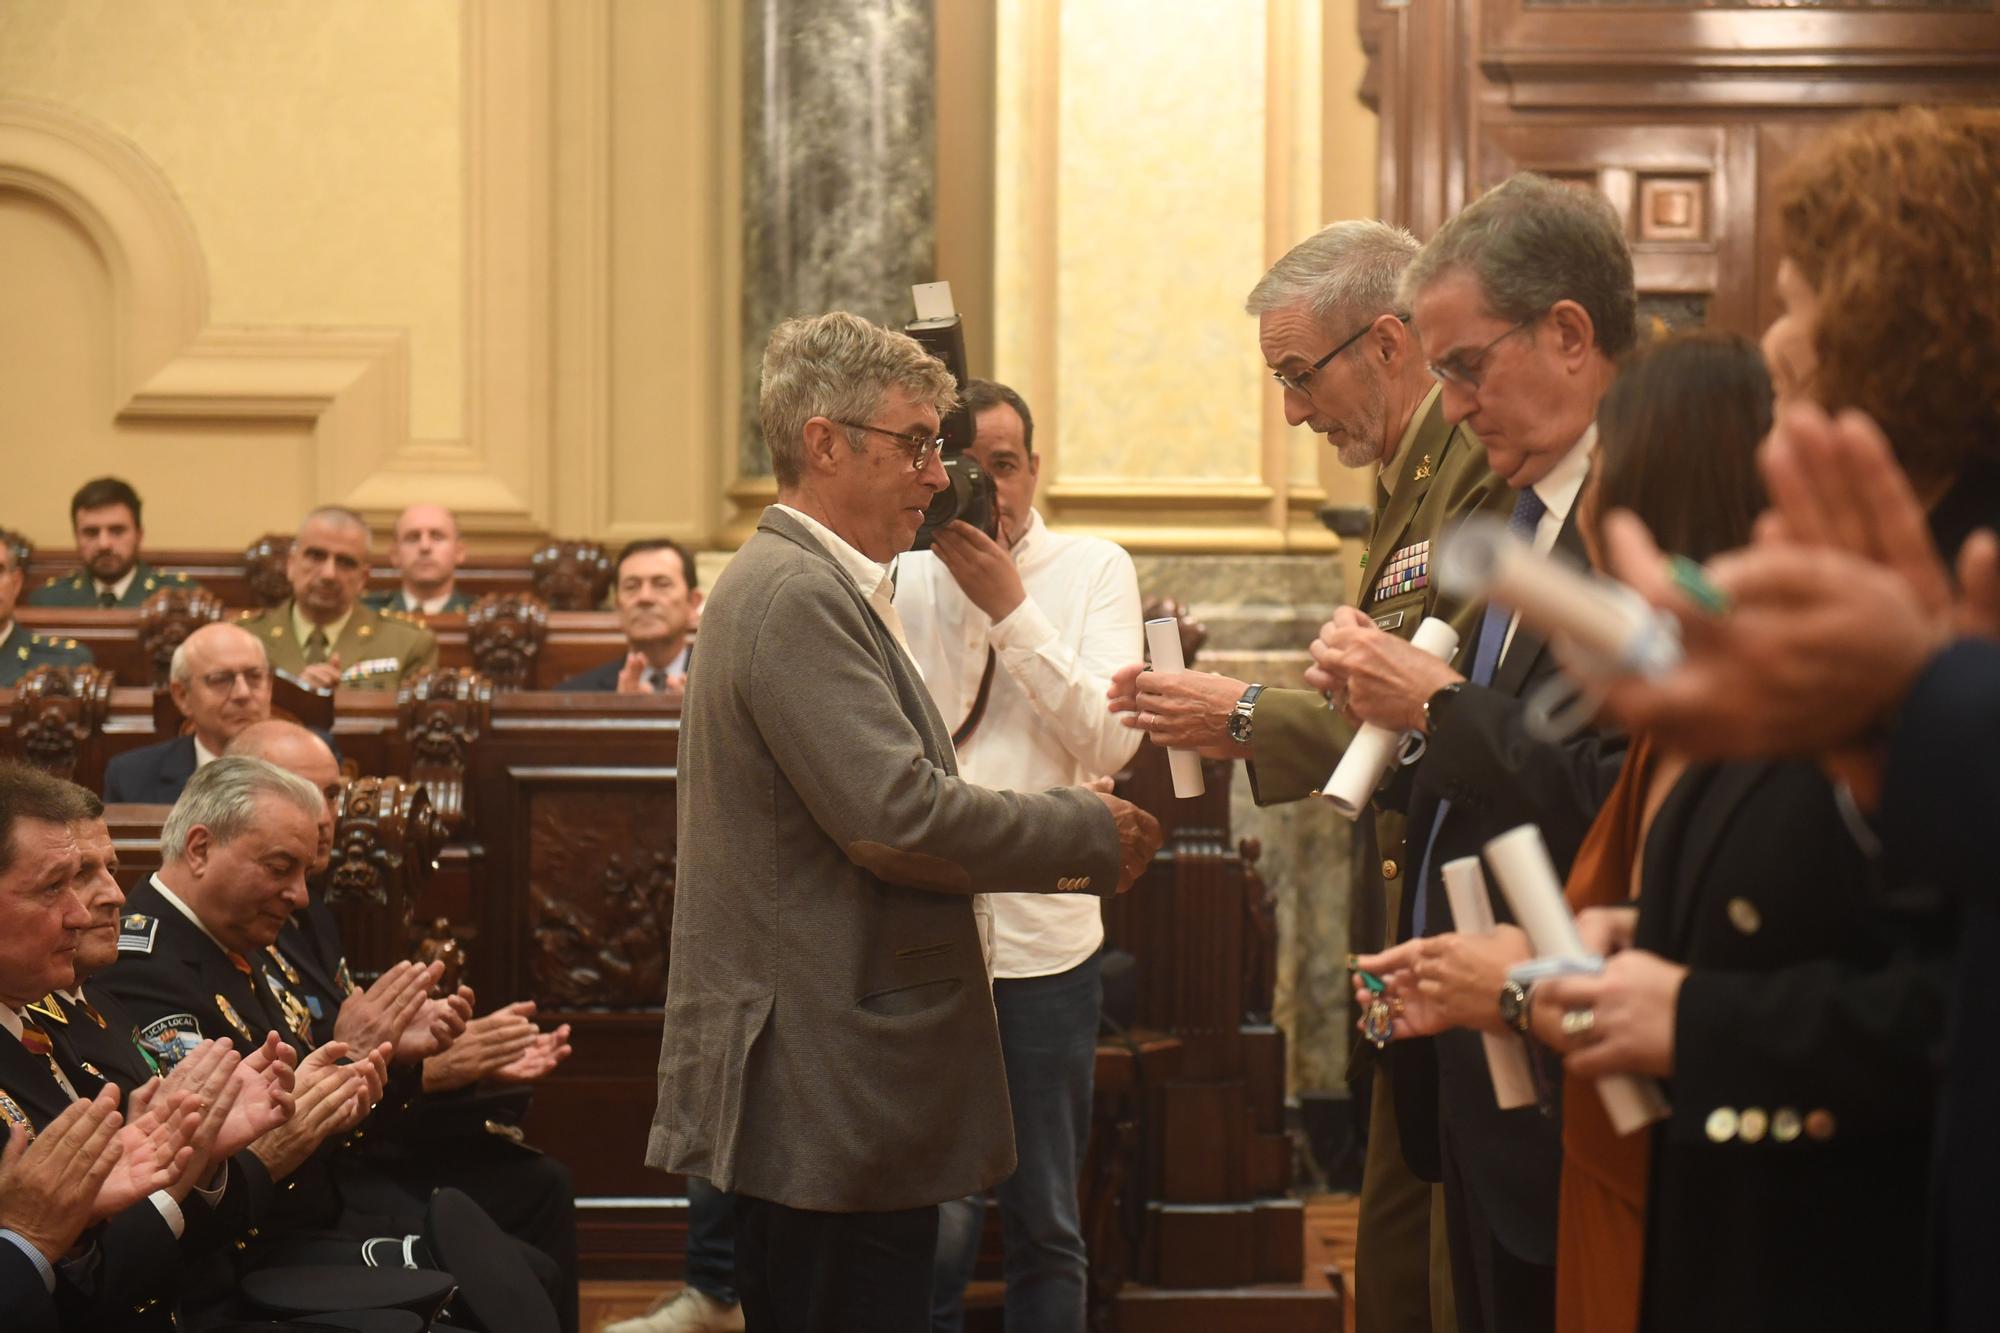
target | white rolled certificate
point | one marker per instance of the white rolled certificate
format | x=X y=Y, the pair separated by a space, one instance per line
x=1472 y=914
x=1520 y=860
x=1163 y=645
x=1369 y=754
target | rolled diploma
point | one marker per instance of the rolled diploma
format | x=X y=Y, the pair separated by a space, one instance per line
x=1368 y=755
x=1163 y=645
x=1606 y=619
x=1520 y=860
x=1472 y=913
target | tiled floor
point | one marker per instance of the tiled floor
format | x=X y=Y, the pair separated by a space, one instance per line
x=1329 y=1250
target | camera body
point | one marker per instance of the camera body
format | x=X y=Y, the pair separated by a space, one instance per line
x=970 y=495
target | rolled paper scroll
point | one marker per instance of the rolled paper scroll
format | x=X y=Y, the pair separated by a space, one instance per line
x=1374 y=747
x=1163 y=645
x=1472 y=913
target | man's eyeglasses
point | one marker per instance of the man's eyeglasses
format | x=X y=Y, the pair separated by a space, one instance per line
x=1302 y=382
x=254 y=677
x=1455 y=371
x=922 y=448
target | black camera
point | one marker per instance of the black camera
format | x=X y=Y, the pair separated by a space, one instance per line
x=970 y=495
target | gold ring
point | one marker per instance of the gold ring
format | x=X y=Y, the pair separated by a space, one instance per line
x=1579 y=1022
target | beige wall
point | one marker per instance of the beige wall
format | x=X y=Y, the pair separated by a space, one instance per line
x=265 y=255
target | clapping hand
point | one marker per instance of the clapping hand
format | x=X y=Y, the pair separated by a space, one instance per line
x=50 y=1183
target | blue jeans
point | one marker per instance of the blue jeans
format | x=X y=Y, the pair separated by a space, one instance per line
x=711 y=1245
x=1048 y=1037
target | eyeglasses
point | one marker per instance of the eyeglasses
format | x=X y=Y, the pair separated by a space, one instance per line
x=254 y=677
x=1453 y=370
x=1302 y=382
x=922 y=448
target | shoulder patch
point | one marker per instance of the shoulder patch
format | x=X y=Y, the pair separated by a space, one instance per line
x=49 y=1009
x=170 y=1040
x=137 y=932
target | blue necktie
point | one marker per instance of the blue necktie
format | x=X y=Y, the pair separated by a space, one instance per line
x=1528 y=511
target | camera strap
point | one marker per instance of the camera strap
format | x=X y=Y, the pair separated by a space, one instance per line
x=966 y=727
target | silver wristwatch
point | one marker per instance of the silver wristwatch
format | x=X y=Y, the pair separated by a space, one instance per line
x=1239 y=716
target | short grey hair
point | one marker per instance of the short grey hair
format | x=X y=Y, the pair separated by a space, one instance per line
x=222 y=797
x=1530 y=242
x=838 y=365
x=1342 y=274
x=181 y=671
x=340 y=516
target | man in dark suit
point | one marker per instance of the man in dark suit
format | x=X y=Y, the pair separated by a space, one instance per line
x=427 y=553
x=221 y=682
x=1329 y=324
x=1523 y=303
x=658 y=601
x=843 y=1076
x=105 y=517
x=21 y=650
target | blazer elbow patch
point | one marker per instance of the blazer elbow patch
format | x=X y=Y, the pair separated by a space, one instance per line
x=918 y=870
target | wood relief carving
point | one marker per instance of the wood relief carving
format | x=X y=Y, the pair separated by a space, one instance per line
x=441 y=713
x=601 y=884
x=56 y=711
x=441 y=945
x=168 y=617
x=504 y=632
x=264 y=568
x=385 y=846
x=571 y=576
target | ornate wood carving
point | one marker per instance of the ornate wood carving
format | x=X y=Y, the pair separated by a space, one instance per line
x=504 y=632
x=441 y=945
x=441 y=713
x=385 y=846
x=56 y=711
x=601 y=876
x=571 y=575
x=167 y=618
x=264 y=568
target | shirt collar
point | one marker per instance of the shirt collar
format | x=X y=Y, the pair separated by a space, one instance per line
x=174 y=900
x=867 y=575
x=203 y=756
x=1031 y=538
x=10 y=1019
x=6 y=633
x=430 y=607
x=1558 y=490
x=1392 y=465
x=116 y=589
x=303 y=628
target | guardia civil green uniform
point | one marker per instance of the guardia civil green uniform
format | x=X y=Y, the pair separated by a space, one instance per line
x=378 y=650
x=1295 y=742
x=22 y=650
x=78 y=588
x=391 y=599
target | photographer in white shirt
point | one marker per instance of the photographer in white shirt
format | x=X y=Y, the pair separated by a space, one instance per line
x=1055 y=614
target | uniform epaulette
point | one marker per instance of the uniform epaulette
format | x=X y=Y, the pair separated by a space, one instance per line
x=393 y=613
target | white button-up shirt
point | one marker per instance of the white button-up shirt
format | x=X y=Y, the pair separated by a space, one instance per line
x=1046 y=723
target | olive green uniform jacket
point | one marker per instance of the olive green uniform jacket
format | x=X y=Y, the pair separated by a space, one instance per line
x=378 y=650
x=76 y=588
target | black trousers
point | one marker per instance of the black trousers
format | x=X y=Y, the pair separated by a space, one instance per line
x=807 y=1272
x=1495 y=1290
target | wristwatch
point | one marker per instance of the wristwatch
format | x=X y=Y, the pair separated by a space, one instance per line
x=1435 y=706
x=1239 y=716
x=1514 y=1010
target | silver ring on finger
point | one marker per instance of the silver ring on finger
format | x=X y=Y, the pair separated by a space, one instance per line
x=1579 y=1022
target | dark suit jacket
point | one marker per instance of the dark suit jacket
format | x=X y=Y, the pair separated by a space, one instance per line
x=1497 y=777
x=25 y=1303
x=1805 y=1042
x=156 y=774
x=603 y=679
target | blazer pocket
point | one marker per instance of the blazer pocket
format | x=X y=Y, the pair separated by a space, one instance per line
x=904 y=1001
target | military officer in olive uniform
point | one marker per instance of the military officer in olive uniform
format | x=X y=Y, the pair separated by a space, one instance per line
x=1352 y=371
x=104 y=514
x=22 y=650
x=427 y=553
x=322 y=634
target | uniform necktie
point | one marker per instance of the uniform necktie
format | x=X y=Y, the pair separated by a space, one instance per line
x=316 y=647
x=239 y=962
x=106 y=597
x=656 y=680
x=37 y=1042
x=90 y=1009
x=1528 y=511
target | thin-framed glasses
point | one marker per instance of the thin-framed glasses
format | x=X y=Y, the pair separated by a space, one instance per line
x=922 y=448
x=1453 y=370
x=1302 y=382
x=254 y=677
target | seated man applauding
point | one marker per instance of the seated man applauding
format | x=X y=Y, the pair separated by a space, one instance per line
x=657 y=604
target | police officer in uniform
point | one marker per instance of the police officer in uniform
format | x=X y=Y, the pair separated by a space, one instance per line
x=322 y=634
x=104 y=514
x=22 y=650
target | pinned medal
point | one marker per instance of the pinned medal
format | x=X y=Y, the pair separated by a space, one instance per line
x=1378 y=1024
x=284 y=964
x=11 y=1112
x=229 y=1016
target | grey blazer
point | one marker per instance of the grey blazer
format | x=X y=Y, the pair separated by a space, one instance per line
x=830 y=1041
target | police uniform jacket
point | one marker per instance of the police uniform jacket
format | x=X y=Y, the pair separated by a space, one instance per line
x=78 y=588
x=22 y=650
x=377 y=649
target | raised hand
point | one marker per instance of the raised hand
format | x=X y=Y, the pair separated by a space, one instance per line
x=264 y=1082
x=488 y=1045
x=548 y=1050
x=381 y=1013
x=156 y=1153
x=327 y=1098
x=49 y=1184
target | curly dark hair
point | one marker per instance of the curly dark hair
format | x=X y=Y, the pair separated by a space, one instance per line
x=1894 y=220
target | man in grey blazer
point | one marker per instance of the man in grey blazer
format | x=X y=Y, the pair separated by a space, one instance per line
x=830 y=1052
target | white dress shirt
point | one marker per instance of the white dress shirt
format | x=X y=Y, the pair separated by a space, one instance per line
x=869 y=575
x=1047 y=723
x=100 y=587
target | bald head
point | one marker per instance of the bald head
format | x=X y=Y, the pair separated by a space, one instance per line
x=221 y=682
x=428 y=552
x=303 y=754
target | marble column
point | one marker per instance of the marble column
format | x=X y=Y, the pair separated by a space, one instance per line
x=839 y=170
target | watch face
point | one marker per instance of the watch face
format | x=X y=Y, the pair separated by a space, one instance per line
x=1511 y=999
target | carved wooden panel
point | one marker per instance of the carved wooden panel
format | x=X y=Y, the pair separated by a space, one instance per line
x=571 y=575
x=57 y=712
x=601 y=894
x=264 y=568
x=442 y=711
x=167 y=618
x=504 y=633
